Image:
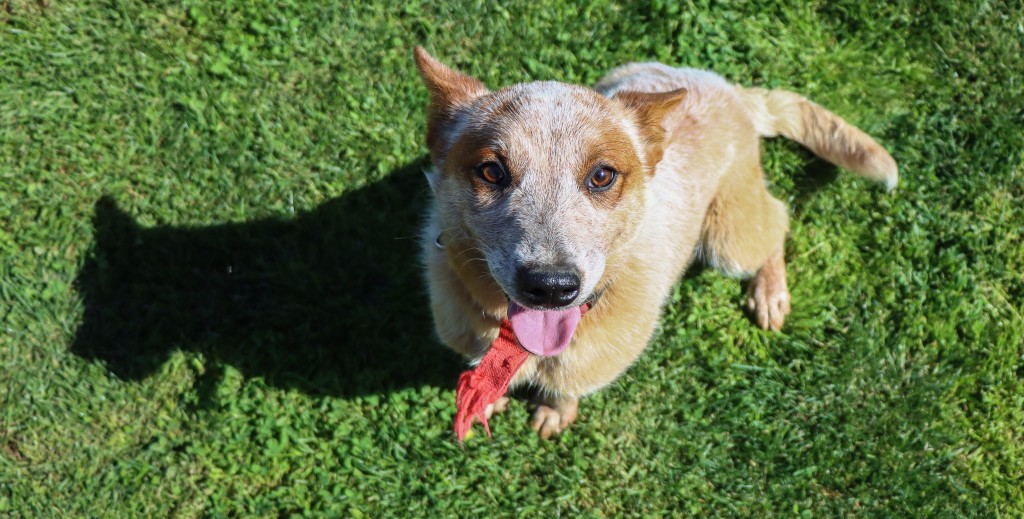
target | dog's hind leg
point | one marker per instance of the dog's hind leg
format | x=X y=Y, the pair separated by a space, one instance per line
x=767 y=294
x=744 y=233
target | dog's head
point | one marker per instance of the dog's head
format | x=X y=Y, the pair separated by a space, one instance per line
x=543 y=180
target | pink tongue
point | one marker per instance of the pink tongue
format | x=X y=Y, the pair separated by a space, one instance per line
x=543 y=332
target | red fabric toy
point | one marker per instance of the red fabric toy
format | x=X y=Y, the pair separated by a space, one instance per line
x=485 y=384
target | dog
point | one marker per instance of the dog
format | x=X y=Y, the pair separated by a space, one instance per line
x=552 y=200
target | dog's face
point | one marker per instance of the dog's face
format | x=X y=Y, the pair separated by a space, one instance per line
x=545 y=180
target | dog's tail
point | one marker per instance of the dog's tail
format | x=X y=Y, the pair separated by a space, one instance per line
x=777 y=112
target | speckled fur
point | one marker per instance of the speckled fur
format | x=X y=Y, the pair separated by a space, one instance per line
x=688 y=143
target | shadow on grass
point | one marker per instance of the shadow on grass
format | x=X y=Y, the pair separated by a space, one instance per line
x=330 y=302
x=817 y=175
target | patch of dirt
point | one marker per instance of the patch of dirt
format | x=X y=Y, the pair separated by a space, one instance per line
x=11 y=8
x=9 y=447
x=11 y=450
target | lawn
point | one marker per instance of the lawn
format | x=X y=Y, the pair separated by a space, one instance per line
x=210 y=298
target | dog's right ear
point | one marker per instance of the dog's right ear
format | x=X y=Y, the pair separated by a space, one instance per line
x=450 y=91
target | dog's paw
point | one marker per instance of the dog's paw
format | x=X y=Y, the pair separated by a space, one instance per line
x=768 y=297
x=499 y=406
x=549 y=417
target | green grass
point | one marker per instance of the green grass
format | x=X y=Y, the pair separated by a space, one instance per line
x=210 y=300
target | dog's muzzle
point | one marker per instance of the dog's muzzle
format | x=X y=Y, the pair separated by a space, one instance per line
x=548 y=288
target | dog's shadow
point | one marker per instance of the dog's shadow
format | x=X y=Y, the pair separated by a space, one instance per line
x=817 y=175
x=330 y=302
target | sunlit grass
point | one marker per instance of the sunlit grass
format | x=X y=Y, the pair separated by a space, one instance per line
x=211 y=305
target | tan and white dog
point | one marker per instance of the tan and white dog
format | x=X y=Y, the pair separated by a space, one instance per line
x=551 y=198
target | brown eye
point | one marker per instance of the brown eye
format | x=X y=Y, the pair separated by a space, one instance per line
x=601 y=178
x=492 y=173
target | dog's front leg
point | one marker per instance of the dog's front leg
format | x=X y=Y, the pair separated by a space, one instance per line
x=550 y=415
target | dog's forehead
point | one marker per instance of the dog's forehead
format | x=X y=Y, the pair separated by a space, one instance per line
x=547 y=121
x=547 y=105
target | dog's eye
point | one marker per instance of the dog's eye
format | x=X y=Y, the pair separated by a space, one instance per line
x=492 y=173
x=601 y=178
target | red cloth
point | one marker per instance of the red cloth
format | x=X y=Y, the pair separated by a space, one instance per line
x=485 y=384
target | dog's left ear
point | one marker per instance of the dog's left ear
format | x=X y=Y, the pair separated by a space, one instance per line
x=650 y=110
x=450 y=92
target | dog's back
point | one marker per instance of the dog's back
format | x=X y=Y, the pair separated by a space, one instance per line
x=772 y=112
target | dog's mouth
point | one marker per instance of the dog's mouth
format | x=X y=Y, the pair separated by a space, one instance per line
x=548 y=332
x=544 y=332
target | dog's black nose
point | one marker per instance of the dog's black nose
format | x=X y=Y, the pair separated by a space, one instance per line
x=549 y=287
